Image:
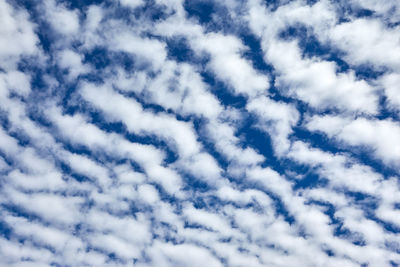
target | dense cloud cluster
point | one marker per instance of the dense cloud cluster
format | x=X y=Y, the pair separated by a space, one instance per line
x=200 y=133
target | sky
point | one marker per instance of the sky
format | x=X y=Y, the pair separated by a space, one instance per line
x=200 y=133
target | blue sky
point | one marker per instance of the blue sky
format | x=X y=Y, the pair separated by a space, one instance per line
x=200 y=133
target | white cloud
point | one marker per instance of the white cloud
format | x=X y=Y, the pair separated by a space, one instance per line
x=312 y=80
x=381 y=136
x=148 y=50
x=367 y=41
x=51 y=207
x=337 y=168
x=178 y=87
x=148 y=194
x=225 y=52
x=391 y=82
x=62 y=19
x=229 y=66
x=142 y=122
x=17 y=82
x=17 y=30
x=182 y=255
x=76 y=130
x=317 y=83
x=276 y=119
x=72 y=61
x=132 y=3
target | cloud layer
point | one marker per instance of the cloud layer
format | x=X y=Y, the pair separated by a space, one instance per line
x=200 y=133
